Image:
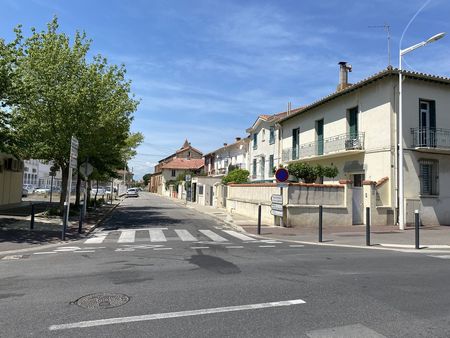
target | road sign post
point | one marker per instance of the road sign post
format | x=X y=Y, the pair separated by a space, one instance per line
x=281 y=176
x=72 y=165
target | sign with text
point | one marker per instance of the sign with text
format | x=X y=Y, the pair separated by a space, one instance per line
x=277 y=199
x=73 y=152
x=277 y=207
x=276 y=213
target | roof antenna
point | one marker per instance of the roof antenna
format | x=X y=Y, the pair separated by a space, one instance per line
x=387 y=29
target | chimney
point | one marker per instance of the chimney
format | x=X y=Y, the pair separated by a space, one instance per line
x=225 y=144
x=344 y=69
x=238 y=139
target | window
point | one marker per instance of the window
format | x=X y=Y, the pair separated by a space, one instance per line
x=263 y=167
x=174 y=173
x=255 y=140
x=352 y=118
x=427 y=123
x=254 y=167
x=429 y=177
x=319 y=135
x=272 y=135
x=271 y=165
x=26 y=169
x=295 y=143
x=200 y=189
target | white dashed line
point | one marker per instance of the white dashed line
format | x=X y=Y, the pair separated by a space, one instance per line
x=81 y=251
x=44 y=253
x=234 y=247
x=199 y=247
x=267 y=246
x=162 y=249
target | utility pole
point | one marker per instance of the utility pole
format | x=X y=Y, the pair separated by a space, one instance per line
x=387 y=29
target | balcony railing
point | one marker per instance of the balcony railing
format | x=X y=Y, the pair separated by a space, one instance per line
x=334 y=144
x=430 y=137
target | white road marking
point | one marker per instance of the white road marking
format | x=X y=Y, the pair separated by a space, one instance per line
x=199 y=247
x=166 y=315
x=157 y=235
x=124 y=249
x=127 y=236
x=440 y=256
x=185 y=235
x=234 y=247
x=44 y=253
x=97 y=239
x=212 y=235
x=85 y=251
x=267 y=246
x=239 y=235
x=67 y=249
x=162 y=249
x=11 y=257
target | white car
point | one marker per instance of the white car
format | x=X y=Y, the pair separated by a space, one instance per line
x=133 y=192
x=42 y=191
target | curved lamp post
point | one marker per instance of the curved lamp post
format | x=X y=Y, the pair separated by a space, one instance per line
x=401 y=216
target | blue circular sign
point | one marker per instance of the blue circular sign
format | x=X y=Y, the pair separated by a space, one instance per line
x=281 y=174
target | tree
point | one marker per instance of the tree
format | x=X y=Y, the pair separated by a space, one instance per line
x=146 y=178
x=236 y=176
x=62 y=95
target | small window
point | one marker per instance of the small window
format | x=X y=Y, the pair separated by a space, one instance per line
x=26 y=169
x=429 y=177
x=272 y=135
x=254 y=167
x=200 y=189
x=174 y=173
x=271 y=165
x=255 y=140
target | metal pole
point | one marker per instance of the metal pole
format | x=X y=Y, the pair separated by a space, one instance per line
x=416 y=225
x=368 y=226
x=80 y=222
x=51 y=188
x=32 y=217
x=259 y=219
x=320 y=223
x=401 y=219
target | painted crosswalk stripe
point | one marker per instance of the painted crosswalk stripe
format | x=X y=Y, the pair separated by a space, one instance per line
x=212 y=235
x=441 y=256
x=267 y=246
x=157 y=235
x=199 y=247
x=185 y=235
x=239 y=235
x=95 y=240
x=127 y=236
x=166 y=315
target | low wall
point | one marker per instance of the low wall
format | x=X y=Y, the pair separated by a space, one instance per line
x=308 y=215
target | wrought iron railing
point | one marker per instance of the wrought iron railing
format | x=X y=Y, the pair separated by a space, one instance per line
x=430 y=137
x=334 y=144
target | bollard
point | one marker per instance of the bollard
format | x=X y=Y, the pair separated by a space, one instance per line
x=32 y=217
x=63 y=234
x=259 y=219
x=368 y=226
x=320 y=223
x=80 y=222
x=416 y=225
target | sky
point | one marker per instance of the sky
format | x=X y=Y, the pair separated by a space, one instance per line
x=204 y=70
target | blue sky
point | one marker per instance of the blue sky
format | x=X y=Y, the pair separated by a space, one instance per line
x=205 y=69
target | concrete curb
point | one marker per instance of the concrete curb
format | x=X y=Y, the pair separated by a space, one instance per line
x=47 y=246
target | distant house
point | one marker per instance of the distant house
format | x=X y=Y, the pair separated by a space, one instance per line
x=38 y=174
x=11 y=173
x=230 y=156
x=185 y=159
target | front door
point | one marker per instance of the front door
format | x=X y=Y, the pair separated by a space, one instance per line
x=357 y=199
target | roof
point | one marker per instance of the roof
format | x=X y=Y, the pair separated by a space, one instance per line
x=273 y=118
x=188 y=147
x=380 y=75
x=181 y=163
x=241 y=141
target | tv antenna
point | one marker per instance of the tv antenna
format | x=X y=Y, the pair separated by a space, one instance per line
x=387 y=29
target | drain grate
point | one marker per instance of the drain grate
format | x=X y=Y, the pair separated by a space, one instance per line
x=102 y=301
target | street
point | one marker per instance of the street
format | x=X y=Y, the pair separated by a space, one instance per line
x=163 y=270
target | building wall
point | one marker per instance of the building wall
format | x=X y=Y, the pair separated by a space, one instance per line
x=10 y=181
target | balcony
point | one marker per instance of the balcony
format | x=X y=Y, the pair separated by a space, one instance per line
x=431 y=139
x=328 y=147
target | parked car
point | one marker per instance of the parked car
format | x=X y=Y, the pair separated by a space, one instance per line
x=100 y=191
x=24 y=192
x=132 y=192
x=42 y=191
x=29 y=187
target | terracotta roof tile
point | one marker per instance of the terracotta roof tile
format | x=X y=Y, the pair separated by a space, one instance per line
x=181 y=163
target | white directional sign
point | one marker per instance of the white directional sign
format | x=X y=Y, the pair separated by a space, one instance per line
x=73 y=152
x=277 y=207
x=276 y=213
x=277 y=199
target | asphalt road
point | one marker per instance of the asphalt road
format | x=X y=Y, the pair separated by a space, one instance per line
x=164 y=270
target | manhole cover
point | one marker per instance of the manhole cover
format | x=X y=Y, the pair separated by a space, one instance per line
x=102 y=301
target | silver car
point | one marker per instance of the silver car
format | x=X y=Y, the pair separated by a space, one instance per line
x=132 y=192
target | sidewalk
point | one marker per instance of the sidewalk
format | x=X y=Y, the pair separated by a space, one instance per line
x=432 y=238
x=16 y=236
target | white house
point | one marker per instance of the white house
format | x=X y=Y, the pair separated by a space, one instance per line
x=356 y=129
x=235 y=155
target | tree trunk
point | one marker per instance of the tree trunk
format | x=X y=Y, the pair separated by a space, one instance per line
x=88 y=196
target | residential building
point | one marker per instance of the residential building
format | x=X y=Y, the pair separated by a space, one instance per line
x=264 y=147
x=356 y=129
x=230 y=156
x=39 y=174
x=11 y=173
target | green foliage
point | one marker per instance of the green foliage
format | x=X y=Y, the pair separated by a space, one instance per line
x=146 y=179
x=309 y=173
x=236 y=176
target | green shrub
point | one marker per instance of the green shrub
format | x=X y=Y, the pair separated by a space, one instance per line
x=236 y=176
x=309 y=174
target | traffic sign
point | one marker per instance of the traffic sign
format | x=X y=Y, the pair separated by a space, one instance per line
x=86 y=169
x=281 y=174
x=277 y=199
x=73 y=152
x=188 y=178
x=276 y=213
x=278 y=207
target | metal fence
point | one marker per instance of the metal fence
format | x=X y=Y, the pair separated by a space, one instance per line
x=430 y=137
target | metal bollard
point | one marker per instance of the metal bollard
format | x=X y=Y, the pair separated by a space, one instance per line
x=320 y=223
x=416 y=225
x=368 y=226
x=80 y=221
x=32 y=217
x=259 y=219
x=63 y=234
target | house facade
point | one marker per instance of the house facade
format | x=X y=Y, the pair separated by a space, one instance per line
x=356 y=130
x=235 y=155
x=39 y=174
x=264 y=147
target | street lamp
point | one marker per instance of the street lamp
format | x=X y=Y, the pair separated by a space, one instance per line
x=401 y=216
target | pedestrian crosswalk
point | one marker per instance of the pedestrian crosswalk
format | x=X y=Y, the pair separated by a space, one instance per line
x=159 y=235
